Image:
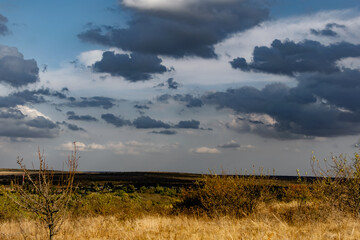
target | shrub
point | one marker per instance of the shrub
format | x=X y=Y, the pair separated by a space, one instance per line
x=216 y=195
x=338 y=182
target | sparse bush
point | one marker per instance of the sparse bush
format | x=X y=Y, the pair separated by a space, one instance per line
x=44 y=196
x=338 y=182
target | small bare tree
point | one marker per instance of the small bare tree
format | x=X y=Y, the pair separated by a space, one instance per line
x=50 y=191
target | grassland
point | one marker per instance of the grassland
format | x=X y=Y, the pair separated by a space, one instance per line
x=190 y=206
x=184 y=227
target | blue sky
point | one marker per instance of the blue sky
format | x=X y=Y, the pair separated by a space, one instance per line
x=187 y=85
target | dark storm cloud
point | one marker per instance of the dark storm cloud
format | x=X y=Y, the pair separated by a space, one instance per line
x=324 y=103
x=11 y=113
x=97 y=101
x=39 y=127
x=188 y=99
x=147 y=122
x=194 y=124
x=341 y=89
x=74 y=127
x=136 y=67
x=327 y=31
x=71 y=127
x=3 y=28
x=34 y=96
x=41 y=122
x=27 y=96
x=15 y=70
x=292 y=116
x=72 y=116
x=164 y=132
x=114 y=120
x=192 y=31
x=288 y=57
x=11 y=101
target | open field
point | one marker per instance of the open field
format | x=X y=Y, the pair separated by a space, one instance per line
x=155 y=205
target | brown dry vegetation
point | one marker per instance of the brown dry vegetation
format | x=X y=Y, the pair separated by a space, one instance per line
x=215 y=207
x=185 y=227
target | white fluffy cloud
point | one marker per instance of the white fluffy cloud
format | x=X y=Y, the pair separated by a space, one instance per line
x=205 y=150
x=121 y=148
x=31 y=112
x=173 y=5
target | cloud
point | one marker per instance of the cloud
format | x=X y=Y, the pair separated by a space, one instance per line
x=116 y=121
x=328 y=30
x=134 y=67
x=14 y=69
x=136 y=148
x=289 y=58
x=37 y=96
x=147 y=122
x=194 y=124
x=230 y=145
x=141 y=107
x=293 y=114
x=31 y=112
x=24 y=129
x=11 y=113
x=72 y=116
x=245 y=123
x=340 y=89
x=206 y=150
x=191 y=30
x=3 y=28
x=188 y=99
x=41 y=122
x=72 y=127
x=27 y=96
x=23 y=122
x=121 y=148
x=322 y=104
x=82 y=146
x=165 y=132
x=172 y=84
x=97 y=101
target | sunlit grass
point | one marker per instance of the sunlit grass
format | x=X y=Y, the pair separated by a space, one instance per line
x=263 y=226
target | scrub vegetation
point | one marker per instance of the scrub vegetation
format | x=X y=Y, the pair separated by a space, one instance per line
x=51 y=205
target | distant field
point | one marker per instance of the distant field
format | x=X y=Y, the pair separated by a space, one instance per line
x=138 y=179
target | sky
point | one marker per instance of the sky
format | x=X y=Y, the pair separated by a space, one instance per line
x=180 y=86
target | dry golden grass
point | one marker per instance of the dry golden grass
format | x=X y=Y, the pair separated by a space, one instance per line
x=261 y=226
